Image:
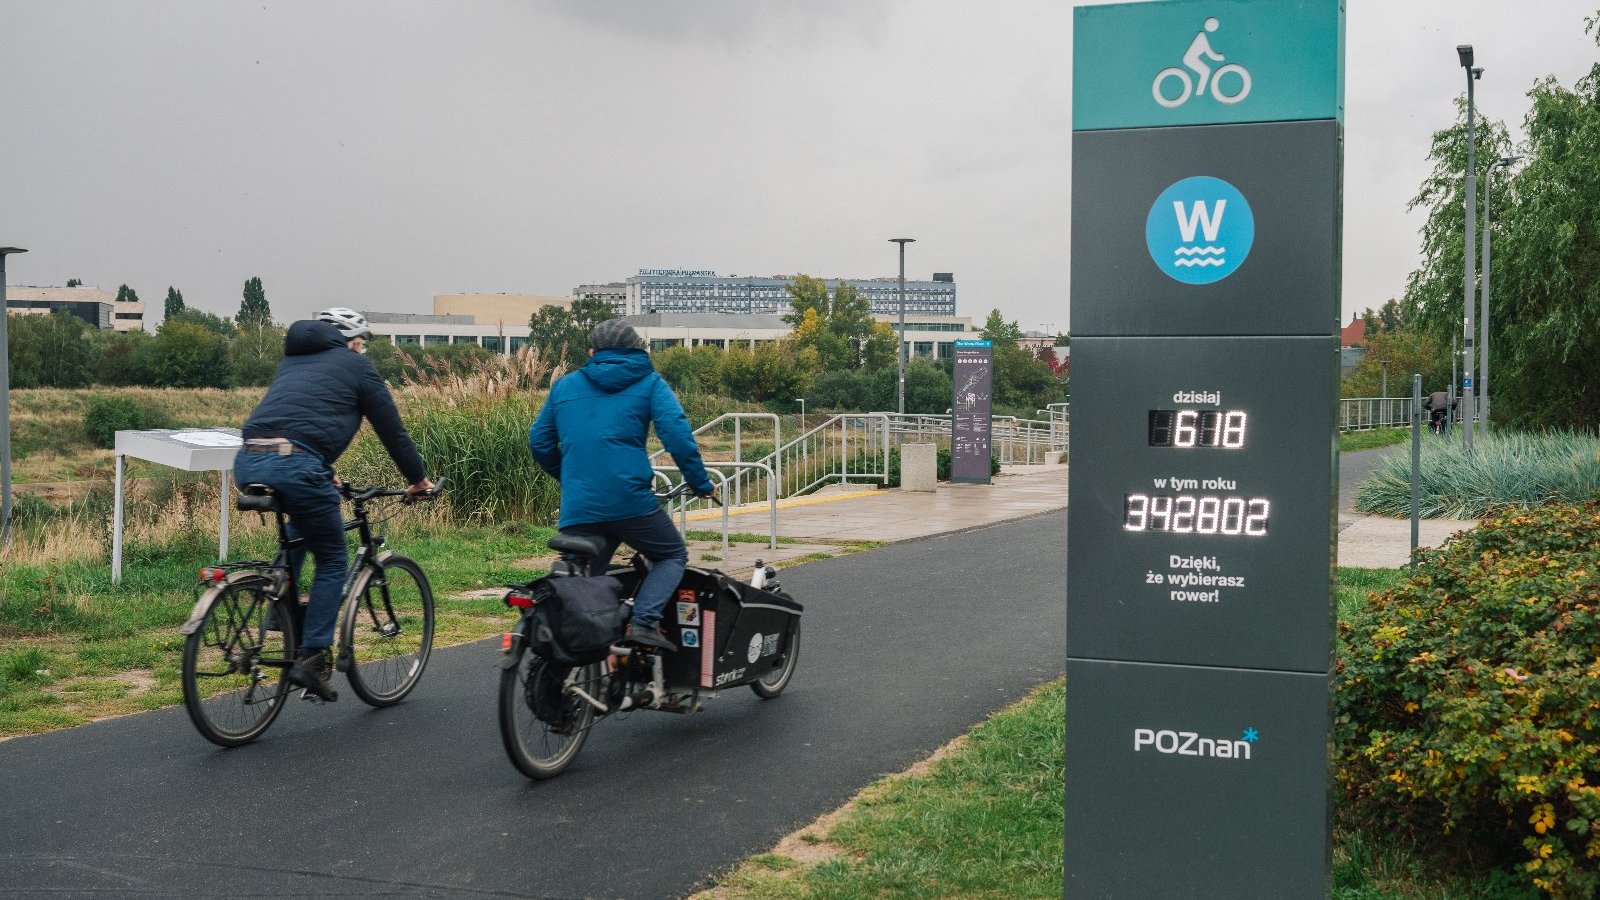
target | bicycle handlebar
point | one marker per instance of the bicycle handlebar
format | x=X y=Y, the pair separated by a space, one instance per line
x=681 y=488
x=362 y=495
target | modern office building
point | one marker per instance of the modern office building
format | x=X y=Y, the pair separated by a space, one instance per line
x=96 y=306
x=931 y=336
x=703 y=291
x=497 y=322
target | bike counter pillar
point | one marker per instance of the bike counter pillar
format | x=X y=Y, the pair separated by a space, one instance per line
x=1205 y=313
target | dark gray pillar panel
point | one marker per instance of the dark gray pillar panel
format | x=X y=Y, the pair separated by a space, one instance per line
x=1288 y=172
x=1195 y=783
x=1183 y=582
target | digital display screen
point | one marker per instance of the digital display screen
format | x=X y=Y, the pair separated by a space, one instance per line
x=1196 y=514
x=1223 y=428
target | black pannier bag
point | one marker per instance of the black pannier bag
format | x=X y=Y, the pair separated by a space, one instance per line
x=574 y=621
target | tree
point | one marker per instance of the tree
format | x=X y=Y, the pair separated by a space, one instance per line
x=49 y=351
x=209 y=321
x=690 y=371
x=186 y=354
x=1545 y=350
x=839 y=326
x=123 y=358
x=254 y=313
x=1021 y=382
x=1406 y=352
x=174 y=302
x=255 y=353
x=557 y=336
x=589 y=312
x=127 y=294
x=74 y=282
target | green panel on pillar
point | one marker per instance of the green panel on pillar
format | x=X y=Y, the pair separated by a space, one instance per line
x=1201 y=62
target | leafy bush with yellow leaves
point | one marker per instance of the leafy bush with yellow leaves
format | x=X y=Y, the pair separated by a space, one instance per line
x=1467 y=699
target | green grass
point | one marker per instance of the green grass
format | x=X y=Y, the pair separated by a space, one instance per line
x=1372 y=438
x=737 y=537
x=985 y=821
x=79 y=648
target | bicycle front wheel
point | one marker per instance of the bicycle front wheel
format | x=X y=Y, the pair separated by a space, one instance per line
x=388 y=630
x=236 y=662
x=543 y=719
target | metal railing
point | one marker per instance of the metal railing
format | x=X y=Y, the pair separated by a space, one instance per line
x=1364 y=413
x=749 y=445
x=844 y=449
x=722 y=475
x=1017 y=441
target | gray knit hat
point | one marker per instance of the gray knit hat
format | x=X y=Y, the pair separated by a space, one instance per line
x=615 y=333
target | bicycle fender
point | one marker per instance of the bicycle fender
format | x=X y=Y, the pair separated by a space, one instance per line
x=202 y=605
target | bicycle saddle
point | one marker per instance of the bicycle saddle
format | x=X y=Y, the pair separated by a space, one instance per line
x=257 y=498
x=583 y=545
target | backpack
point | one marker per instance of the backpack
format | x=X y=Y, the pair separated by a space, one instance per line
x=574 y=621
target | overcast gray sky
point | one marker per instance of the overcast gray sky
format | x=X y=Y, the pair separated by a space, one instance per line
x=371 y=154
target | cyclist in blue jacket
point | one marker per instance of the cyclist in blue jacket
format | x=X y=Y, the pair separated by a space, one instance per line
x=591 y=436
x=323 y=389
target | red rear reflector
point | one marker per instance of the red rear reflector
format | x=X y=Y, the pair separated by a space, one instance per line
x=211 y=573
x=521 y=601
x=505 y=643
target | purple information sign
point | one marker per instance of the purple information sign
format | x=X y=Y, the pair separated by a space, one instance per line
x=969 y=412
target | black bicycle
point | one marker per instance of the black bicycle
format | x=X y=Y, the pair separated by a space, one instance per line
x=728 y=633
x=241 y=635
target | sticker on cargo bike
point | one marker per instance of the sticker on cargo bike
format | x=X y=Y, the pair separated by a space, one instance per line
x=690 y=637
x=688 y=613
x=707 y=654
x=755 y=648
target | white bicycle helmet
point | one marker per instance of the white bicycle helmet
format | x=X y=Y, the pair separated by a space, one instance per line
x=350 y=323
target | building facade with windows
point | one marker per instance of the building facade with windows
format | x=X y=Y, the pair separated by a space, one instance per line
x=930 y=336
x=703 y=291
x=96 y=306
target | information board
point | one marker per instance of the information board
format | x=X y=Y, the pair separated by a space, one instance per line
x=1202 y=517
x=970 y=422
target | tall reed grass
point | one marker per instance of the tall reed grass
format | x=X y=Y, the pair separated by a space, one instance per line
x=1503 y=470
x=472 y=430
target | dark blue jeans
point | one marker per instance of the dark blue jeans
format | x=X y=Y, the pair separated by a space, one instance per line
x=305 y=489
x=657 y=538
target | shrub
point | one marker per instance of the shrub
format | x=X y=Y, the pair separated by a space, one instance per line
x=1503 y=470
x=941 y=463
x=108 y=415
x=1466 y=697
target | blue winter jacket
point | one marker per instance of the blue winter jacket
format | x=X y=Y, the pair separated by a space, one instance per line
x=591 y=436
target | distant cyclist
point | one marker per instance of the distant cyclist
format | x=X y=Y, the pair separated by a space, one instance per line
x=323 y=389
x=591 y=436
x=1438 y=407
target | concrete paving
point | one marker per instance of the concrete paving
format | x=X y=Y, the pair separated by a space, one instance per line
x=850 y=513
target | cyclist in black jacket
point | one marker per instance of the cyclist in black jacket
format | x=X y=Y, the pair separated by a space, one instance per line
x=323 y=389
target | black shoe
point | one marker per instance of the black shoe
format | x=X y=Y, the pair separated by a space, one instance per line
x=313 y=670
x=648 y=637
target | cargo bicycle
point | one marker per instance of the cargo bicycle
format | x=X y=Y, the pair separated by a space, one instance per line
x=240 y=638
x=728 y=634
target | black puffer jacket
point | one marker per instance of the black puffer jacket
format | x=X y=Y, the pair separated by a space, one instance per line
x=321 y=392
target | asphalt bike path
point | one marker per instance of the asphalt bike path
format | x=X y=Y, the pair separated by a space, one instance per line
x=904 y=649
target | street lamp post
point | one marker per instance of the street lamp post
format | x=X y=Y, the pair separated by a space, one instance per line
x=5 y=406
x=901 y=355
x=1469 y=275
x=1483 y=303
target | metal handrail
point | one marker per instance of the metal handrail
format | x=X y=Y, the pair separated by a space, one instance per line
x=738 y=419
x=722 y=479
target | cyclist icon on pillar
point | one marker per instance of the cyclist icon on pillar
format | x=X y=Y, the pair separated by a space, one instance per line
x=1198 y=59
x=1199 y=230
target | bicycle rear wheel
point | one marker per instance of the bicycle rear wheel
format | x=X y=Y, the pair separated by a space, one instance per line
x=388 y=630
x=234 y=667
x=543 y=720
